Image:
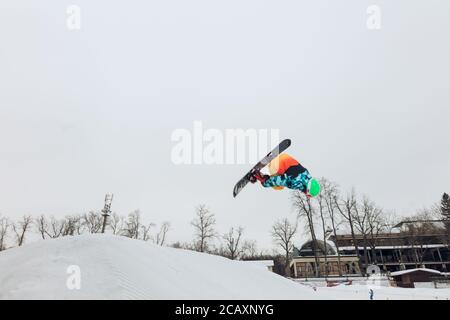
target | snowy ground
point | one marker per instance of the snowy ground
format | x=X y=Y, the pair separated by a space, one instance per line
x=121 y=268
x=361 y=292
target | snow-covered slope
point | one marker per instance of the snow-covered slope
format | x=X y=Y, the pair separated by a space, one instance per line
x=361 y=292
x=121 y=268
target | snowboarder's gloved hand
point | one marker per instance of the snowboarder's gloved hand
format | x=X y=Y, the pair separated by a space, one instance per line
x=260 y=177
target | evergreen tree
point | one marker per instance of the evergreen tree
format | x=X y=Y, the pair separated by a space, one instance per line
x=445 y=207
x=445 y=212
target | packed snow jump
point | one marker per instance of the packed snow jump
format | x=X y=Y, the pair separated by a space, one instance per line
x=284 y=170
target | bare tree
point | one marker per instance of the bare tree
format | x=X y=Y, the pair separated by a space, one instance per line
x=135 y=228
x=93 y=221
x=72 y=225
x=52 y=229
x=369 y=222
x=42 y=225
x=133 y=225
x=56 y=228
x=232 y=239
x=249 y=249
x=145 y=232
x=330 y=193
x=161 y=235
x=306 y=210
x=4 y=227
x=21 y=227
x=346 y=207
x=204 y=228
x=361 y=216
x=322 y=205
x=69 y=226
x=283 y=233
x=116 y=223
x=418 y=229
x=377 y=223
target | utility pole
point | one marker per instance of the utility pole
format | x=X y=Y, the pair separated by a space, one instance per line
x=107 y=209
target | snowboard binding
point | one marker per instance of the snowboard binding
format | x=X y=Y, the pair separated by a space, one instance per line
x=257 y=176
x=252 y=177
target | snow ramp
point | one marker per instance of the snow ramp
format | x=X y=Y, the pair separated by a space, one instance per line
x=112 y=267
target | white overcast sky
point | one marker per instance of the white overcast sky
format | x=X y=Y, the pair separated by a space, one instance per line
x=87 y=112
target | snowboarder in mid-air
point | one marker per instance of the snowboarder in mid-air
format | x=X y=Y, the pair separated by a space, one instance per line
x=288 y=172
x=284 y=170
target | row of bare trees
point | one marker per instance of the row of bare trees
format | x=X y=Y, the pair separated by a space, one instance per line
x=333 y=212
x=233 y=245
x=13 y=233
x=428 y=223
x=230 y=244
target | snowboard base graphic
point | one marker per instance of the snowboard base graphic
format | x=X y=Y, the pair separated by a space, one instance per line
x=261 y=164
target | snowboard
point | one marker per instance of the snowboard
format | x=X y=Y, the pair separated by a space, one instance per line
x=261 y=164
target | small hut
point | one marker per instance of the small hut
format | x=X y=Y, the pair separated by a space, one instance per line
x=414 y=277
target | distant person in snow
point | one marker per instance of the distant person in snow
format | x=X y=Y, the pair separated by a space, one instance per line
x=287 y=172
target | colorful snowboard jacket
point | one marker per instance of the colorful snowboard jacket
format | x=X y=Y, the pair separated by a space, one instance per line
x=288 y=173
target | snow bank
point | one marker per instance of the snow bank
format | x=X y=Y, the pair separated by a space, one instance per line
x=121 y=268
x=361 y=292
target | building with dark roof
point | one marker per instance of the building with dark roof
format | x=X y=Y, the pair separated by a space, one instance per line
x=410 y=245
x=412 y=278
x=303 y=264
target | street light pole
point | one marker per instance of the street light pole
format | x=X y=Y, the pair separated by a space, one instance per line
x=106 y=210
